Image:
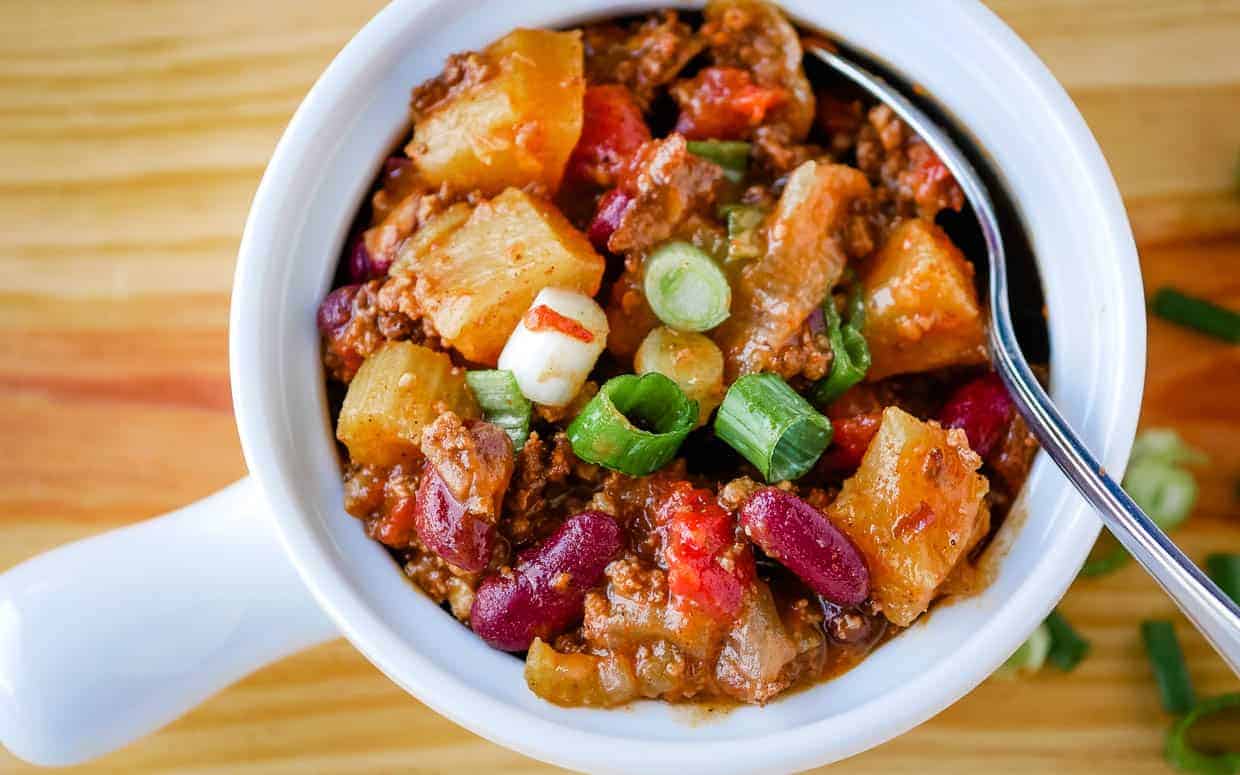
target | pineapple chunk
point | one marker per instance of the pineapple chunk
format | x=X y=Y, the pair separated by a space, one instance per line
x=431 y=236
x=397 y=391
x=914 y=509
x=516 y=126
x=476 y=283
x=921 y=309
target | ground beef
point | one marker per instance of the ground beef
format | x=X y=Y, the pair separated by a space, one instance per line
x=461 y=73
x=548 y=480
x=383 y=498
x=643 y=57
x=806 y=358
x=364 y=317
x=441 y=582
x=665 y=185
x=914 y=180
x=384 y=240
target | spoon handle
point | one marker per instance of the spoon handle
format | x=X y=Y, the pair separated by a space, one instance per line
x=1205 y=605
x=1211 y=611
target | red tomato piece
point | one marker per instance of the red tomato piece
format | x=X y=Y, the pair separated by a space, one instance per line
x=706 y=565
x=723 y=103
x=850 y=439
x=612 y=129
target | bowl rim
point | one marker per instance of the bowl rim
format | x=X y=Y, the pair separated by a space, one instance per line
x=257 y=385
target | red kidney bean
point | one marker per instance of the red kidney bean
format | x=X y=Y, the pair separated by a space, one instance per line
x=362 y=265
x=544 y=593
x=983 y=409
x=336 y=310
x=447 y=528
x=801 y=538
x=607 y=219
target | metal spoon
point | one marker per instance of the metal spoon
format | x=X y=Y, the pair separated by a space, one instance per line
x=1205 y=605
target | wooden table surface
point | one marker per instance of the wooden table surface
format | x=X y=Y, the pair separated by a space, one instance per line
x=132 y=136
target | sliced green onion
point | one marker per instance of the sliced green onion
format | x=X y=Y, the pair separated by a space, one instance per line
x=686 y=289
x=732 y=155
x=1159 y=485
x=1199 y=314
x=772 y=427
x=1183 y=756
x=634 y=425
x=502 y=403
x=1163 y=649
x=1068 y=648
x=1030 y=657
x=1225 y=570
x=1165 y=446
x=744 y=231
x=850 y=355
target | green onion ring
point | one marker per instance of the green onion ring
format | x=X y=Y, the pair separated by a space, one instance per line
x=772 y=427
x=1199 y=314
x=604 y=433
x=850 y=354
x=686 y=289
x=1180 y=752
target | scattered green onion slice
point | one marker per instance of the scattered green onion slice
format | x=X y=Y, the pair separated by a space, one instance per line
x=1165 y=446
x=744 y=231
x=686 y=289
x=1183 y=756
x=1031 y=655
x=1225 y=570
x=502 y=402
x=1163 y=649
x=732 y=155
x=1159 y=484
x=1068 y=648
x=772 y=427
x=605 y=432
x=850 y=355
x=1199 y=314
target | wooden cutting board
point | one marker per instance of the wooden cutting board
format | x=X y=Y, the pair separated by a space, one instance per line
x=132 y=136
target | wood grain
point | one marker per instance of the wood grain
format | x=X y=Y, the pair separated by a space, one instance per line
x=132 y=135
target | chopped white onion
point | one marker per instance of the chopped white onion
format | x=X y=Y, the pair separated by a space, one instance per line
x=550 y=363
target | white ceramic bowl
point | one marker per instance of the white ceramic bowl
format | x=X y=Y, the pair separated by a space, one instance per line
x=82 y=628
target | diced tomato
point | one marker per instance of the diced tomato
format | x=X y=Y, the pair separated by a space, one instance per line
x=983 y=409
x=607 y=219
x=612 y=129
x=932 y=183
x=395 y=527
x=543 y=318
x=849 y=441
x=706 y=565
x=723 y=103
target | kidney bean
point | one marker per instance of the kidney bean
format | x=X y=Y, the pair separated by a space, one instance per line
x=983 y=409
x=363 y=265
x=545 y=592
x=336 y=310
x=607 y=219
x=447 y=528
x=801 y=538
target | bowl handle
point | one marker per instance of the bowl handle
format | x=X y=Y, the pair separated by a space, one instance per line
x=108 y=639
